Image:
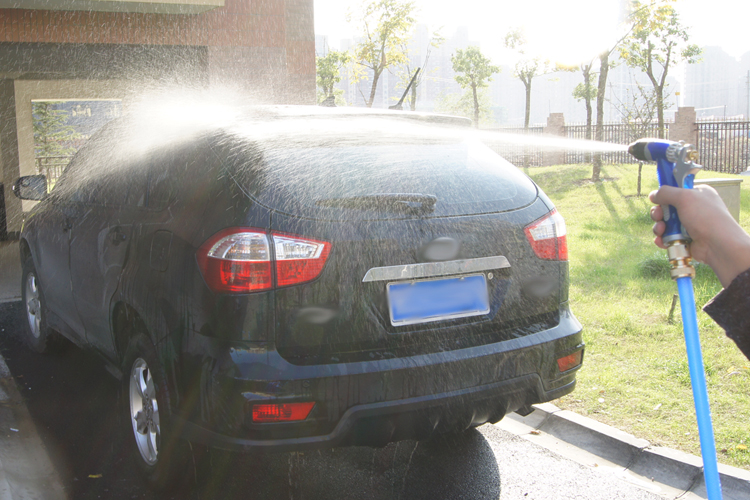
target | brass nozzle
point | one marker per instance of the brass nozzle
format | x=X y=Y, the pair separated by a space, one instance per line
x=693 y=156
x=678 y=253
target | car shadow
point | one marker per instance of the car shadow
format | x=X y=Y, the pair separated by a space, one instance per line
x=73 y=402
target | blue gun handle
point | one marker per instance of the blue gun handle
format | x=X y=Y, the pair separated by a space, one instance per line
x=665 y=172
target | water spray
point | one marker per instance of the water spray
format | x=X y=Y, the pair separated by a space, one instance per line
x=675 y=162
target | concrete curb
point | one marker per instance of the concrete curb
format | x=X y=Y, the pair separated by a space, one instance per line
x=25 y=468
x=668 y=472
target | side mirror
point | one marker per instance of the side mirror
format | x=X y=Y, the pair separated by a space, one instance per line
x=31 y=187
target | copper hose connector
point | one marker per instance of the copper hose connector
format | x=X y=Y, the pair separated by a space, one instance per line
x=678 y=253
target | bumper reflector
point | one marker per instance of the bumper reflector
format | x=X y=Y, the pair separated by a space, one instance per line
x=285 y=412
x=570 y=361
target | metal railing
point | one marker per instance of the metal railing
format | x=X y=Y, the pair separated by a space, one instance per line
x=52 y=166
x=615 y=133
x=521 y=155
x=723 y=146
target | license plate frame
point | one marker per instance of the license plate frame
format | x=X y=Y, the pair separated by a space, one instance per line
x=439 y=299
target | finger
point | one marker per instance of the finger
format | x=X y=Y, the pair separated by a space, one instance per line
x=659 y=228
x=657 y=213
x=659 y=243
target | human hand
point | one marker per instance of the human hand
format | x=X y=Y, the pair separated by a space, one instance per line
x=717 y=238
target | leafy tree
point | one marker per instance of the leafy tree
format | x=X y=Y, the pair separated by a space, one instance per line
x=658 y=41
x=463 y=105
x=52 y=135
x=384 y=26
x=329 y=72
x=473 y=71
x=527 y=67
x=601 y=87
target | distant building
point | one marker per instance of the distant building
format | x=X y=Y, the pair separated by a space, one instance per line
x=718 y=85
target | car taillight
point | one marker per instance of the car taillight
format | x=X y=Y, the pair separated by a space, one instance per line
x=298 y=260
x=548 y=237
x=284 y=412
x=570 y=361
x=239 y=260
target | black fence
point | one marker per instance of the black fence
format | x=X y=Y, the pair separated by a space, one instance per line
x=613 y=133
x=52 y=166
x=518 y=153
x=723 y=146
x=531 y=155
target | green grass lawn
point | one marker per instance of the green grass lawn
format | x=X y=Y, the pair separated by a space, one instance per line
x=635 y=374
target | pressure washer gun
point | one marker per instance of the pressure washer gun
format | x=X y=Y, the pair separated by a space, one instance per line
x=675 y=166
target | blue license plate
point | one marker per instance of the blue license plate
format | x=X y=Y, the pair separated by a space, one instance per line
x=435 y=300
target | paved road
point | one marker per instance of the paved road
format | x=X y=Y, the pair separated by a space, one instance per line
x=74 y=404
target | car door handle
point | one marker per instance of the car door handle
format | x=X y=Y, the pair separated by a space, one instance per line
x=116 y=236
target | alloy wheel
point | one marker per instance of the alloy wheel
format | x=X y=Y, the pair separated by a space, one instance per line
x=144 y=412
x=33 y=306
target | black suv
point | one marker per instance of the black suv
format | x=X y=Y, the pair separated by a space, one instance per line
x=283 y=278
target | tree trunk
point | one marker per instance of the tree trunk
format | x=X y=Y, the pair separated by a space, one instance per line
x=660 y=110
x=413 y=102
x=528 y=103
x=476 y=106
x=374 y=88
x=587 y=83
x=601 y=89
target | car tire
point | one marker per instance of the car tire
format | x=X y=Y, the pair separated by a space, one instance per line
x=160 y=454
x=39 y=337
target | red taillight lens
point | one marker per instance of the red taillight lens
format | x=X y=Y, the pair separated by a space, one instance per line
x=298 y=260
x=285 y=412
x=570 y=361
x=236 y=260
x=239 y=260
x=548 y=237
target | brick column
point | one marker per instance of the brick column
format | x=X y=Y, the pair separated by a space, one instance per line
x=555 y=126
x=684 y=128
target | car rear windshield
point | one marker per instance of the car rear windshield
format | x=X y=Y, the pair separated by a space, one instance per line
x=384 y=180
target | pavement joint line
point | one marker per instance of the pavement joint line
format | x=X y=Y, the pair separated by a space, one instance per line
x=675 y=470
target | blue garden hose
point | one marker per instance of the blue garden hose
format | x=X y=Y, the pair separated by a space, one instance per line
x=675 y=167
x=700 y=393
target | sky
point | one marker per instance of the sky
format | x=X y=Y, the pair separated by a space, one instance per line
x=566 y=31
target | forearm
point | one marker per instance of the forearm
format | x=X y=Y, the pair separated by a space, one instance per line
x=730 y=309
x=729 y=255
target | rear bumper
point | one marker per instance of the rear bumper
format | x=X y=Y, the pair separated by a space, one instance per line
x=377 y=424
x=374 y=402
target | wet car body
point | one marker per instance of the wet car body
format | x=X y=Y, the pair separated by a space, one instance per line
x=130 y=229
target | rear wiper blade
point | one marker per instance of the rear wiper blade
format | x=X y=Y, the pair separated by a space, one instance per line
x=410 y=203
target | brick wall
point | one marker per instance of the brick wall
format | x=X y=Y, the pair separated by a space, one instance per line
x=251 y=42
x=248 y=23
x=684 y=127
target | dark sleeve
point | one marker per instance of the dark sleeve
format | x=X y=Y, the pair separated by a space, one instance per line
x=731 y=311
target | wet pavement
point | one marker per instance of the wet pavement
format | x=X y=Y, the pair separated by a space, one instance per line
x=73 y=402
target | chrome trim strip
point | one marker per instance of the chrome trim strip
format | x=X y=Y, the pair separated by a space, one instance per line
x=431 y=269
